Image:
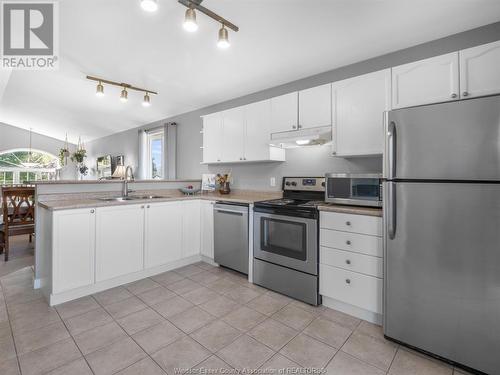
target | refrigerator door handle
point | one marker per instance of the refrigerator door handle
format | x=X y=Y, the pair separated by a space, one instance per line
x=390 y=148
x=391 y=208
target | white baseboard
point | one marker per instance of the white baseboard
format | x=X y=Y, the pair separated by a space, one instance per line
x=56 y=299
x=208 y=260
x=355 y=311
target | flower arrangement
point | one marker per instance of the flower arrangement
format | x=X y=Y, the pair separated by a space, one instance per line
x=222 y=180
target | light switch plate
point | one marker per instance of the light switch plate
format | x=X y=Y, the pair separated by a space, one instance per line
x=273 y=181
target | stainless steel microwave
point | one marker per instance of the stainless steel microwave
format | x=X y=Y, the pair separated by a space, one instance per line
x=354 y=189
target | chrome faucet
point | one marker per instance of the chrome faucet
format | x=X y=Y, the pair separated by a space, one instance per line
x=128 y=177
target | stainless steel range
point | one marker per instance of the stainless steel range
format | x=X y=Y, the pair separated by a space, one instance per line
x=286 y=239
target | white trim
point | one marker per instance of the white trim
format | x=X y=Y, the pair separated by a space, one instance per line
x=352 y=310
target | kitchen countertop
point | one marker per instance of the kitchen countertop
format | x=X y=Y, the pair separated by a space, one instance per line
x=236 y=196
x=113 y=181
x=356 y=210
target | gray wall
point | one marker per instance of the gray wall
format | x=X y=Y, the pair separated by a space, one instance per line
x=299 y=161
x=12 y=137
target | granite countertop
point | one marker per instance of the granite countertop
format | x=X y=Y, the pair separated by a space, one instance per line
x=356 y=210
x=113 y=181
x=236 y=196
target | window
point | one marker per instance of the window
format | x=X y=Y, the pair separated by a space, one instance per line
x=155 y=149
x=18 y=166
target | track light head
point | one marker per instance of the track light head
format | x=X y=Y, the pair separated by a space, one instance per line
x=124 y=95
x=223 y=41
x=190 y=23
x=99 y=90
x=149 y=5
x=147 y=100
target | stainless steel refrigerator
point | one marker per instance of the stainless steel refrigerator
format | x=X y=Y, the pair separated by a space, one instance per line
x=442 y=230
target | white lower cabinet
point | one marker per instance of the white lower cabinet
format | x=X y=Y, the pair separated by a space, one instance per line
x=119 y=241
x=351 y=264
x=207 y=229
x=73 y=253
x=163 y=233
x=190 y=228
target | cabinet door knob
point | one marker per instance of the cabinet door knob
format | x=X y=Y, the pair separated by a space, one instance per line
x=348 y=242
x=347 y=261
x=465 y=93
x=142 y=206
x=348 y=223
x=347 y=281
x=92 y=211
x=147 y=206
x=454 y=95
x=294 y=127
x=299 y=126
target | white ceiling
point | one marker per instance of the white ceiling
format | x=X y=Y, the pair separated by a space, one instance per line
x=279 y=41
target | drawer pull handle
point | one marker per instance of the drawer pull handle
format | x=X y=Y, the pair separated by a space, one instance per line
x=92 y=211
x=348 y=223
x=348 y=281
x=348 y=261
x=348 y=242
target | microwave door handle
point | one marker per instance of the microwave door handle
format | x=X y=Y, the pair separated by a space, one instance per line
x=391 y=210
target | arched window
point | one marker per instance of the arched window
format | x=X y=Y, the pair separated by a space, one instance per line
x=18 y=166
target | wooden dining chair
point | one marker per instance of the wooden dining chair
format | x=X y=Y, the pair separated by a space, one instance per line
x=18 y=215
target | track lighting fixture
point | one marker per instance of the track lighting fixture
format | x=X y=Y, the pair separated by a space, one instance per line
x=124 y=95
x=223 y=41
x=149 y=5
x=124 y=89
x=190 y=20
x=100 y=90
x=190 y=23
x=147 y=100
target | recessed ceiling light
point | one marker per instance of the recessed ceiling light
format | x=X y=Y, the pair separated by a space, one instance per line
x=99 y=90
x=124 y=95
x=223 y=41
x=147 y=101
x=149 y=5
x=190 y=23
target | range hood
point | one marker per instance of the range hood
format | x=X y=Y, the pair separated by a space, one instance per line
x=302 y=138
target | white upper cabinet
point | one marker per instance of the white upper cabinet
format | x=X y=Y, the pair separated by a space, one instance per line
x=212 y=137
x=233 y=134
x=315 y=107
x=285 y=112
x=426 y=81
x=257 y=133
x=480 y=70
x=119 y=241
x=358 y=105
x=74 y=249
x=163 y=233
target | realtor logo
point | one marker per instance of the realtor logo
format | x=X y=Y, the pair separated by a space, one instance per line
x=30 y=37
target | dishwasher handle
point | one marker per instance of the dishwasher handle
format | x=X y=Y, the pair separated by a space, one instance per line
x=231 y=212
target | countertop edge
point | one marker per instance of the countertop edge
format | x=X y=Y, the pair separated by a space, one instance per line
x=115 y=181
x=354 y=210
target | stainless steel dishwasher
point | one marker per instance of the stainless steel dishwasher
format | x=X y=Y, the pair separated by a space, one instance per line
x=231 y=236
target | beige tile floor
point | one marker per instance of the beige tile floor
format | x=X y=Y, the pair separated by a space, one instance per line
x=197 y=317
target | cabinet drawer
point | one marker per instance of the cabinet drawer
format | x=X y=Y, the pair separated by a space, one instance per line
x=350 y=287
x=359 y=243
x=371 y=225
x=366 y=264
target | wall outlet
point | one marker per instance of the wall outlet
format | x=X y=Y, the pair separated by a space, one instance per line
x=273 y=181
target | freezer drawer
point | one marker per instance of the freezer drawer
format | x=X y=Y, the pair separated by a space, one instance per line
x=442 y=270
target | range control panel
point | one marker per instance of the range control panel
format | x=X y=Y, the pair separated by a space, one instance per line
x=304 y=183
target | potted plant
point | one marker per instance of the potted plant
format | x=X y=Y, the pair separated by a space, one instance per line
x=64 y=153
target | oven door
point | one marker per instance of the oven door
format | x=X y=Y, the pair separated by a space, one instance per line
x=287 y=241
